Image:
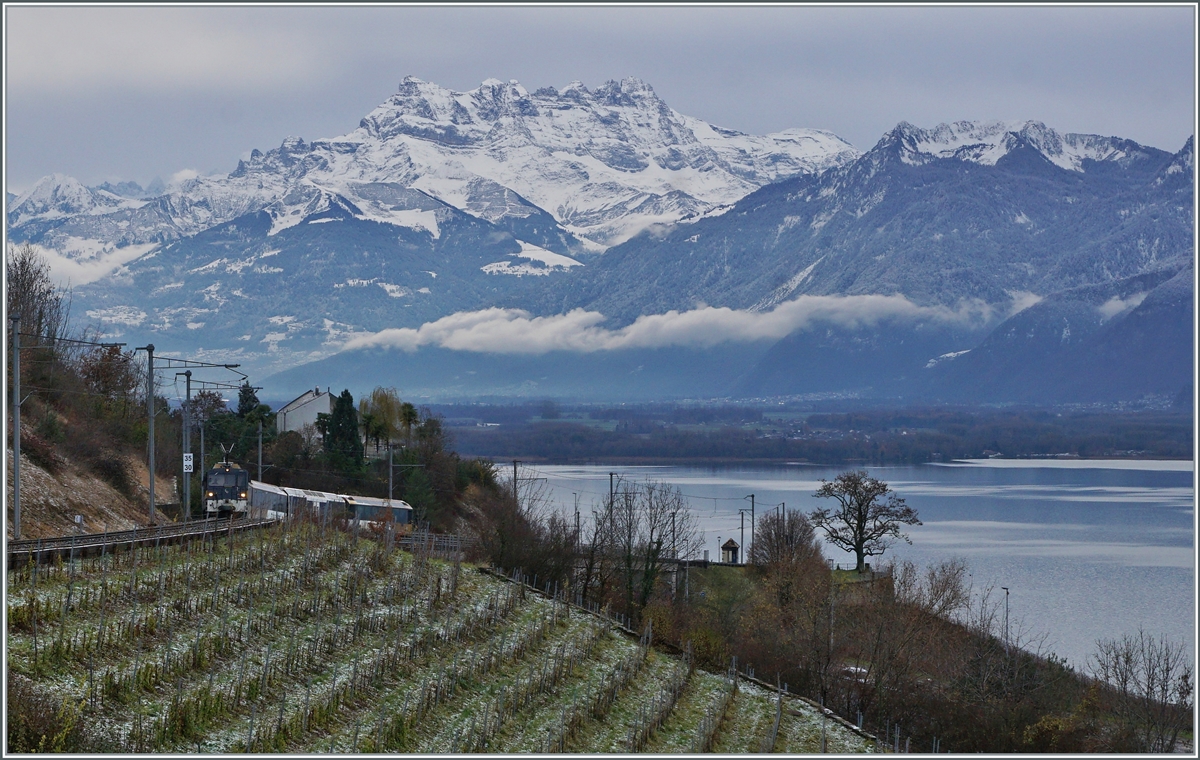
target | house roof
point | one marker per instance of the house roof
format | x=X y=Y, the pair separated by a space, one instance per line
x=303 y=399
x=730 y=544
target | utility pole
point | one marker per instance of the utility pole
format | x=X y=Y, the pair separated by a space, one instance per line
x=576 y=520
x=675 y=566
x=16 y=411
x=186 y=505
x=611 y=505
x=389 y=471
x=516 y=499
x=742 y=549
x=1005 y=620
x=149 y=349
x=260 y=449
x=751 y=498
x=18 y=401
x=832 y=601
x=674 y=548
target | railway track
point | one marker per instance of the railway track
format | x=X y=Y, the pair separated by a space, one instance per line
x=44 y=550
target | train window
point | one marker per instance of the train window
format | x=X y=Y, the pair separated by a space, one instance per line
x=220 y=479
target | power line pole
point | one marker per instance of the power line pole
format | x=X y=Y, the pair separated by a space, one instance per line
x=674 y=548
x=260 y=449
x=516 y=499
x=751 y=524
x=742 y=548
x=611 y=503
x=149 y=349
x=17 y=402
x=576 y=520
x=16 y=410
x=186 y=506
x=203 y=458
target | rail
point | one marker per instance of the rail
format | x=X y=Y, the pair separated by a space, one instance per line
x=43 y=550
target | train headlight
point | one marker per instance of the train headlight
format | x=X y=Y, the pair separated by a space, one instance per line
x=243 y=494
x=210 y=493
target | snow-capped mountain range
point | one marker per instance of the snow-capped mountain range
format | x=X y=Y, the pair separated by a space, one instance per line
x=987 y=142
x=600 y=165
x=443 y=203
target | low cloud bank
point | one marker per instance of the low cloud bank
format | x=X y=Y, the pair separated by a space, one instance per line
x=86 y=261
x=515 y=331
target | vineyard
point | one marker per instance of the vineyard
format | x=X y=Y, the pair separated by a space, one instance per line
x=302 y=639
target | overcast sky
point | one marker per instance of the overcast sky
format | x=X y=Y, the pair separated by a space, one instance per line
x=134 y=93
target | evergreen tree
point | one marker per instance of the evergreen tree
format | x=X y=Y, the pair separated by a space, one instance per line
x=342 y=441
x=247 y=399
x=419 y=493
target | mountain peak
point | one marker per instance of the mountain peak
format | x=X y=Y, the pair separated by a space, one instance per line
x=56 y=192
x=597 y=165
x=986 y=142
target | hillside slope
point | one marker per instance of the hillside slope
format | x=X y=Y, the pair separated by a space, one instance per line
x=50 y=500
x=331 y=644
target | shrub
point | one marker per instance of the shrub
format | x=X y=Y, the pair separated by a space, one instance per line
x=115 y=471
x=40 y=452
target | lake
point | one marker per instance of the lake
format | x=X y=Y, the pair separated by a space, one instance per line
x=1089 y=549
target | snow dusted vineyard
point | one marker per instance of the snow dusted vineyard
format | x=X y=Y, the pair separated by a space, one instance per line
x=302 y=640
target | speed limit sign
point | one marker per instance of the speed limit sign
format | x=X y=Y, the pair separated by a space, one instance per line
x=187 y=462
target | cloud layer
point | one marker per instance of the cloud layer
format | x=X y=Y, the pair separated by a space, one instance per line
x=515 y=331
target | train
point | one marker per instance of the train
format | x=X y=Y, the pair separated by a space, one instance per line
x=226 y=490
x=229 y=491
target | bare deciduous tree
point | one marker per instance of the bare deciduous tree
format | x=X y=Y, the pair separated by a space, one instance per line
x=863 y=522
x=783 y=540
x=1153 y=683
x=43 y=308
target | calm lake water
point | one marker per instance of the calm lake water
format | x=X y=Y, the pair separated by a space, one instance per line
x=1089 y=549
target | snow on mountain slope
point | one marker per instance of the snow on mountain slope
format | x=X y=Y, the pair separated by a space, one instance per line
x=58 y=196
x=987 y=142
x=936 y=215
x=604 y=164
x=599 y=165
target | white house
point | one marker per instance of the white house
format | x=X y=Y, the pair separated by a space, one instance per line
x=303 y=410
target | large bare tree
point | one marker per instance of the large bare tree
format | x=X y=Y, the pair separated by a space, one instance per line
x=868 y=516
x=31 y=293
